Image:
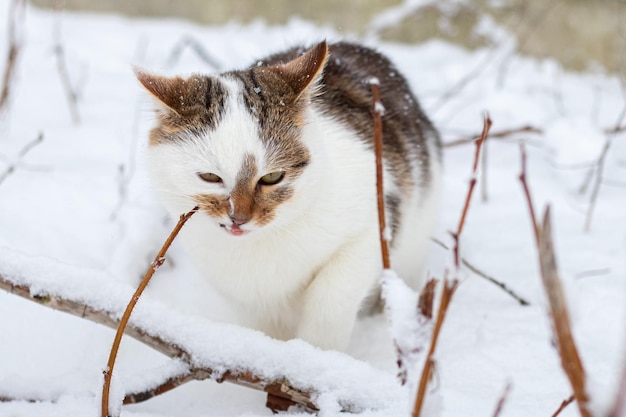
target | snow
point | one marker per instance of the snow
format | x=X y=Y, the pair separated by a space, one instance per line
x=75 y=223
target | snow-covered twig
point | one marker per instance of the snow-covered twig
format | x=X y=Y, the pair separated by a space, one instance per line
x=29 y=146
x=570 y=359
x=158 y=261
x=16 y=18
x=377 y=112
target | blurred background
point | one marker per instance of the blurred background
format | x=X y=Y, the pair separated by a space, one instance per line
x=580 y=34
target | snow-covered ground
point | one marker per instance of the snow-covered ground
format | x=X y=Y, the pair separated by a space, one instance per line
x=78 y=216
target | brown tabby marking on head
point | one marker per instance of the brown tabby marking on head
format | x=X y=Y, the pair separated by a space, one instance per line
x=190 y=105
x=248 y=201
x=277 y=97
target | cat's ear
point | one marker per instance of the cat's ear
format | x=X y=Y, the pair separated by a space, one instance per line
x=304 y=71
x=185 y=96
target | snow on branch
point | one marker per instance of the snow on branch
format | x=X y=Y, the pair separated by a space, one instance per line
x=293 y=371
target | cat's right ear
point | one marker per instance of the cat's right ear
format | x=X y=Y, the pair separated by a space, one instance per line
x=184 y=96
x=304 y=71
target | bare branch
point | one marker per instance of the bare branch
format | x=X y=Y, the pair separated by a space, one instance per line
x=486 y=276
x=377 y=111
x=448 y=291
x=59 y=52
x=21 y=154
x=523 y=180
x=502 y=401
x=158 y=261
x=195 y=46
x=570 y=360
x=563 y=405
x=16 y=19
x=598 y=182
x=500 y=134
x=479 y=144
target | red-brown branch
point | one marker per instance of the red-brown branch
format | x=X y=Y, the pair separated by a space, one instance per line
x=563 y=405
x=158 y=261
x=378 y=148
x=446 y=296
x=570 y=359
x=529 y=200
x=479 y=143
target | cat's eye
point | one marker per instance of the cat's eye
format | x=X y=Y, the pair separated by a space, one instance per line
x=209 y=177
x=272 y=178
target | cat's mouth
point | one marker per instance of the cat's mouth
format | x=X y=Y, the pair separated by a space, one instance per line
x=234 y=229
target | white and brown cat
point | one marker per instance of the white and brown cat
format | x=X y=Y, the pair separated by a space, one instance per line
x=280 y=159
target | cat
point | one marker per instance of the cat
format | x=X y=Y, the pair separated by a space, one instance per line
x=279 y=158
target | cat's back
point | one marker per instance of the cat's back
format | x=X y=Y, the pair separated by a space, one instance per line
x=411 y=142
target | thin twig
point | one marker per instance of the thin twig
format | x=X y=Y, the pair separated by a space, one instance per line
x=597 y=184
x=484 y=275
x=71 y=92
x=158 y=261
x=619 y=406
x=483 y=174
x=500 y=134
x=446 y=295
x=16 y=18
x=529 y=200
x=502 y=400
x=563 y=405
x=190 y=42
x=377 y=112
x=479 y=143
x=570 y=359
x=22 y=153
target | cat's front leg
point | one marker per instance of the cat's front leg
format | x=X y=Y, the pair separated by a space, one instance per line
x=332 y=300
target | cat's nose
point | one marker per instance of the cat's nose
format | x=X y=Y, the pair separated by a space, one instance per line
x=239 y=220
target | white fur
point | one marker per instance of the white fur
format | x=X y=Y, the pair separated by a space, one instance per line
x=306 y=273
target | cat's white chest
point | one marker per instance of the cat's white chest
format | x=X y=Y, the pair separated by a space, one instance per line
x=259 y=273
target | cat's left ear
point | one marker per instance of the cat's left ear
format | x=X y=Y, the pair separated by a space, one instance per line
x=185 y=96
x=304 y=71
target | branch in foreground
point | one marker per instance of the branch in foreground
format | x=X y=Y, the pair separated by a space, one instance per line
x=279 y=388
x=158 y=261
x=570 y=360
x=447 y=293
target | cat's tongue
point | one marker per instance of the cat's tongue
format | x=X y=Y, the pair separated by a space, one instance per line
x=235 y=230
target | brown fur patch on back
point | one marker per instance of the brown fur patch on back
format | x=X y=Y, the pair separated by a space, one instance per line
x=345 y=95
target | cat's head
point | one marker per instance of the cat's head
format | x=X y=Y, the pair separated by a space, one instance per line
x=232 y=143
